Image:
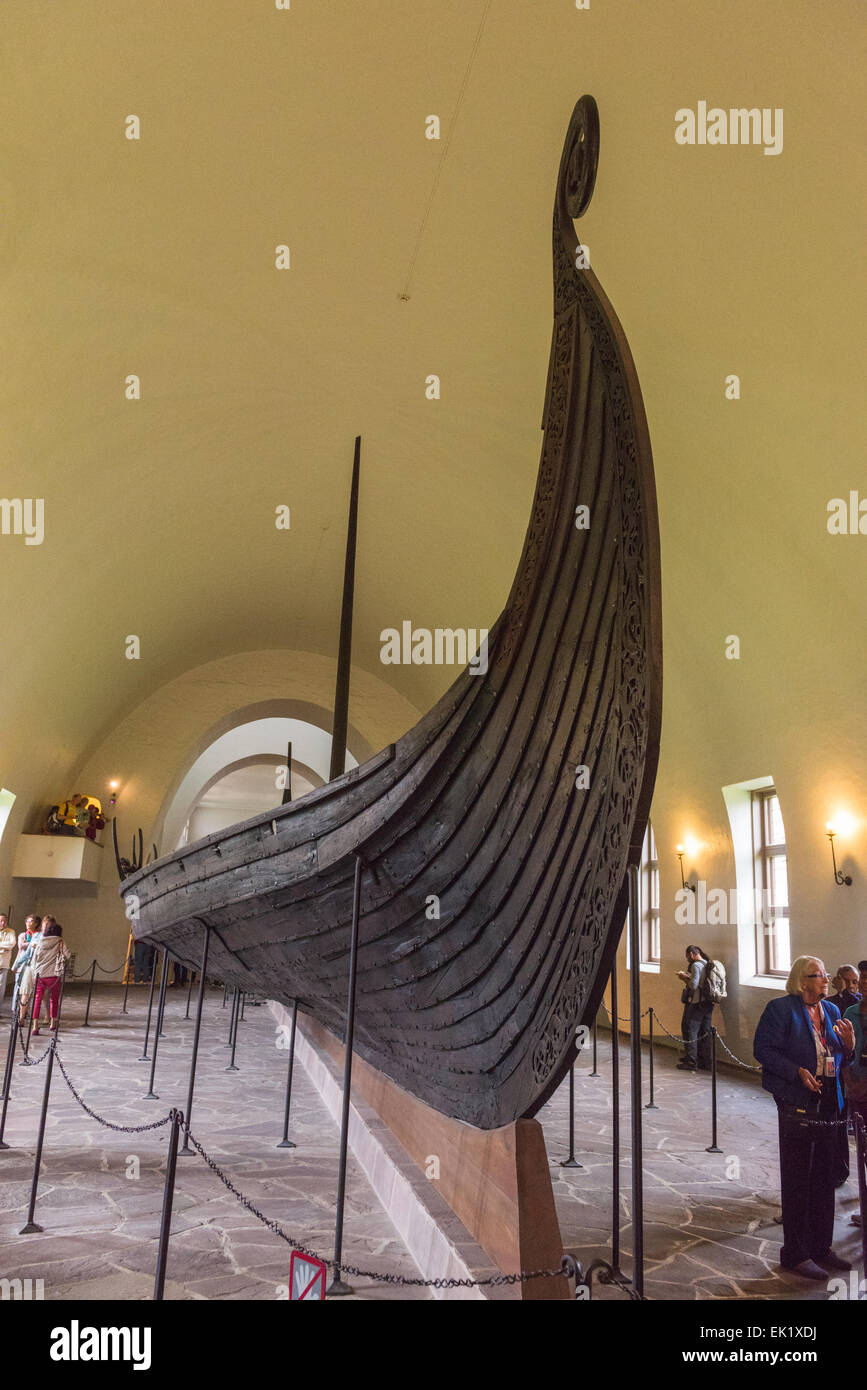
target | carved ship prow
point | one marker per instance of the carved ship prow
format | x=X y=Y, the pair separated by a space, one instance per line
x=515 y=806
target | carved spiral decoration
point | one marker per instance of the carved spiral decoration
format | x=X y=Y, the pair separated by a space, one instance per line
x=580 y=157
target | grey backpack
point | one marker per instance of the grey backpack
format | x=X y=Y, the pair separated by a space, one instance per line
x=713 y=985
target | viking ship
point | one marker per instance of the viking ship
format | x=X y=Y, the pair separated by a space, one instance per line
x=497 y=835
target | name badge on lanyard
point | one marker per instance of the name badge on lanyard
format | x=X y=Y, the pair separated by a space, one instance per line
x=830 y=1069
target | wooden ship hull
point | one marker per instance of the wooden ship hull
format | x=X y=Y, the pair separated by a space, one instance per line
x=497 y=833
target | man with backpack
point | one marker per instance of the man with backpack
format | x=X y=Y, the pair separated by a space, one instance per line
x=704 y=984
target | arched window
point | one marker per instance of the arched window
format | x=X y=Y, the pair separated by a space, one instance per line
x=7 y=800
x=761 y=868
x=649 y=879
x=773 y=945
x=648 y=905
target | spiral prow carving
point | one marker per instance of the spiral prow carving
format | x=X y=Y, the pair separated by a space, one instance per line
x=578 y=164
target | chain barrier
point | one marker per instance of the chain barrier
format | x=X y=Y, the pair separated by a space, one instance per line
x=620 y=1017
x=85 y=974
x=495 y=1280
x=746 y=1066
x=120 y=1129
x=29 y=1060
x=675 y=1038
x=804 y=1122
x=381 y=1277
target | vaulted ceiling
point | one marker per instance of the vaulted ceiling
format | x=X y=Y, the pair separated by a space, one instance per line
x=410 y=257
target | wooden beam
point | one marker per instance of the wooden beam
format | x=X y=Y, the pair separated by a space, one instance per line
x=344 y=655
x=287 y=790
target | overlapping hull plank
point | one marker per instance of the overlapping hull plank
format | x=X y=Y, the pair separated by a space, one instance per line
x=477 y=807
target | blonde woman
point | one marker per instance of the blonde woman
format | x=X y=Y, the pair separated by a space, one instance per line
x=801 y=1043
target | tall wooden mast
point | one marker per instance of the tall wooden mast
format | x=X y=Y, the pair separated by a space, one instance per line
x=344 y=655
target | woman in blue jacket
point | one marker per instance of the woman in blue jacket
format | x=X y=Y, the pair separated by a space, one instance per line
x=801 y=1043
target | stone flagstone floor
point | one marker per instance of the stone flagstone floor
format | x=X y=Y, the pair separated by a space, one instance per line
x=711 y=1220
x=101 y=1225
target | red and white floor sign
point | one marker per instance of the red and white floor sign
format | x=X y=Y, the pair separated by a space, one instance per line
x=306 y=1277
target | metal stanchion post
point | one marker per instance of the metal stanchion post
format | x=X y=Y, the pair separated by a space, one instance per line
x=713 y=1148
x=10 y=1050
x=86 y=1024
x=7 y=1079
x=168 y=1198
x=225 y=992
x=239 y=997
x=144 y=1052
x=337 y=1287
x=161 y=1005
x=571 y=1161
x=232 y=1007
x=615 y=1125
x=197 y=1030
x=128 y=969
x=31 y=1226
x=286 y=1142
x=861 y=1163
x=650 y=1105
x=635 y=1079
x=191 y=974
x=151 y=1094
x=243 y=1001
x=594 y=1072
x=26 y=1061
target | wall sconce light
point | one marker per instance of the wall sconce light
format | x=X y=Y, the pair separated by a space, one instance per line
x=113 y=788
x=839 y=877
x=680 y=852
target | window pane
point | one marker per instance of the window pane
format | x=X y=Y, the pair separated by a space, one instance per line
x=654 y=940
x=781 y=955
x=776 y=833
x=779 y=881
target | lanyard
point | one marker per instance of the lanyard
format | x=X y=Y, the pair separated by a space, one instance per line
x=821 y=1028
x=825 y=1065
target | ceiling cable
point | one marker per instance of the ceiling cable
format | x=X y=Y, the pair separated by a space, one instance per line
x=404 y=294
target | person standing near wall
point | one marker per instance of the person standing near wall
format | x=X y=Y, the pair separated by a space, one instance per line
x=27 y=943
x=802 y=1044
x=8 y=942
x=697 y=1010
x=143 y=962
x=31 y=927
x=845 y=982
